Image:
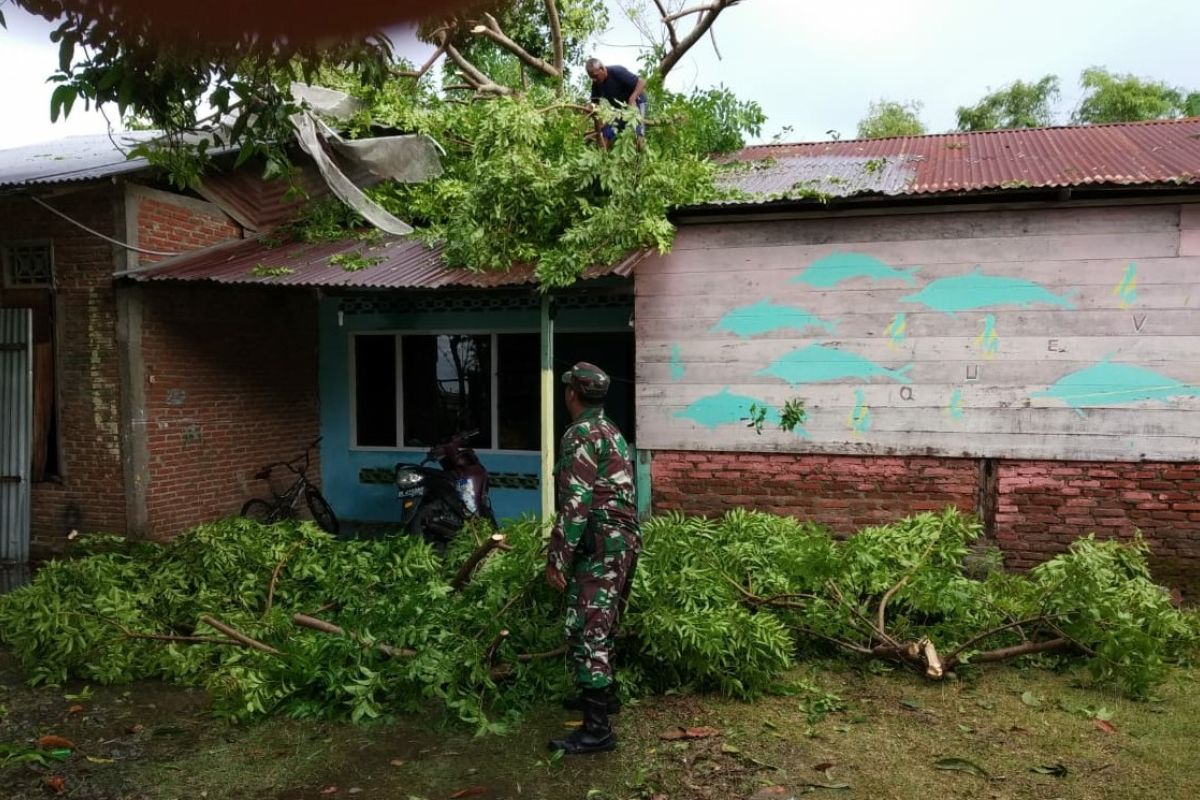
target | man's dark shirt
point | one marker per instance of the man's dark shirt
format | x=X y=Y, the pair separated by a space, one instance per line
x=616 y=87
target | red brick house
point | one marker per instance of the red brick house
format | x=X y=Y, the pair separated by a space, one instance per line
x=110 y=449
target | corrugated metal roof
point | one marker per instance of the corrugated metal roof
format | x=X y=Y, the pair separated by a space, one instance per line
x=402 y=264
x=1161 y=152
x=74 y=158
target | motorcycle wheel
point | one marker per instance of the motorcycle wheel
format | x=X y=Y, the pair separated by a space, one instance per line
x=437 y=523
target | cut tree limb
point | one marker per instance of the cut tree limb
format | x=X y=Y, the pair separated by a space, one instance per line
x=418 y=73
x=238 y=636
x=492 y=31
x=275 y=576
x=1023 y=649
x=472 y=74
x=463 y=577
x=312 y=623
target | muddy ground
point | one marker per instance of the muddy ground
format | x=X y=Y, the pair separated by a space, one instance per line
x=831 y=730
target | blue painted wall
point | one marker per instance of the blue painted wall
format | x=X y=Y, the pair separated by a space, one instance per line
x=341 y=465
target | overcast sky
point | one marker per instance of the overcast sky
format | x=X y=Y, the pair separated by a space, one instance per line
x=813 y=66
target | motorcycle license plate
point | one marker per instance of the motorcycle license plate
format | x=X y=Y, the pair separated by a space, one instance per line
x=409 y=492
x=466 y=491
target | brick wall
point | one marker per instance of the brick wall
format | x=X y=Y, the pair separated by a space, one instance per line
x=1041 y=506
x=88 y=493
x=843 y=492
x=230 y=385
x=172 y=223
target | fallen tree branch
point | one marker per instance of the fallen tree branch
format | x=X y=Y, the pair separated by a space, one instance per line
x=275 y=577
x=1018 y=624
x=503 y=671
x=238 y=636
x=493 y=32
x=419 y=73
x=1023 y=649
x=312 y=623
x=494 y=647
x=463 y=576
x=890 y=593
x=472 y=74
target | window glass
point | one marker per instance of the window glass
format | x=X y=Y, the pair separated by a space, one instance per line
x=375 y=390
x=447 y=388
x=519 y=388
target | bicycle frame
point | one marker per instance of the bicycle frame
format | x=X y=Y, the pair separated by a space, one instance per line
x=286 y=501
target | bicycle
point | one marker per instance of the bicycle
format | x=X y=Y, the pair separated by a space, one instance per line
x=283 y=506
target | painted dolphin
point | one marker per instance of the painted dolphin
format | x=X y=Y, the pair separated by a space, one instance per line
x=764 y=317
x=976 y=290
x=726 y=408
x=1106 y=384
x=817 y=363
x=837 y=267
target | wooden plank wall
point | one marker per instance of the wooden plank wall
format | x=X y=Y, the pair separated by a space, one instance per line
x=1060 y=333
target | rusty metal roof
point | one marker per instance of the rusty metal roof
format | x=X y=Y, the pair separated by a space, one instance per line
x=1158 y=153
x=395 y=263
x=73 y=158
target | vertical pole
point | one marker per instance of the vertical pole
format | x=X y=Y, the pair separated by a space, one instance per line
x=547 y=331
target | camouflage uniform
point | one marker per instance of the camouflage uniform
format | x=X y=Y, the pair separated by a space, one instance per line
x=595 y=540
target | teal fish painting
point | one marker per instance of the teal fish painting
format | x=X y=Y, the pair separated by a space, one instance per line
x=1106 y=384
x=818 y=363
x=1126 y=290
x=726 y=408
x=837 y=267
x=859 y=420
x=678 y=369
x=977 y=290
x=764 y=317
x=896 y=331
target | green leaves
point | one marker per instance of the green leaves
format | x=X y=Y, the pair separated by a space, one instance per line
x=62 y=99
x=722 y=604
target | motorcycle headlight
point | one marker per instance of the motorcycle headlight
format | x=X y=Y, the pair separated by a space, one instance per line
x=406 y=479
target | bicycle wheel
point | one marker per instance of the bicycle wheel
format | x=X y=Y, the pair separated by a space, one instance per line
x=259 y=511
x=321 y=512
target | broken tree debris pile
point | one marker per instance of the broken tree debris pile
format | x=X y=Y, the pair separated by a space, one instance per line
x=287 y=619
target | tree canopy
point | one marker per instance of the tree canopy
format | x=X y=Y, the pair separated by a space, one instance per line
x=1112 y=97
x=887 y=118
x=522 y=182
x=1017 y=105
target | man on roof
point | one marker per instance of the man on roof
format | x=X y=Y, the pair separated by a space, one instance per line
x=620 y=88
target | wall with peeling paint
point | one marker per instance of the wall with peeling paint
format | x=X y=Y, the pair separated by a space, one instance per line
x=1056 y=333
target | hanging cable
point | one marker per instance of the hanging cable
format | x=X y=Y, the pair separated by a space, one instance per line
x=78 y=224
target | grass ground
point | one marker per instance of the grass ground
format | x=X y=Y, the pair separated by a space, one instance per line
x=1007 y=733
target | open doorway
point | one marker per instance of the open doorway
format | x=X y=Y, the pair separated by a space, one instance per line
x=613 y=353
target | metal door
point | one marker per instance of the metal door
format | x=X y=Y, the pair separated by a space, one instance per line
x=16 y=431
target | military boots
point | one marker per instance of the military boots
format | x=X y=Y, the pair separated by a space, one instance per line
x=596 y=734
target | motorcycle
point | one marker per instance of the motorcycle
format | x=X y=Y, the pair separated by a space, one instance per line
x=437 y=503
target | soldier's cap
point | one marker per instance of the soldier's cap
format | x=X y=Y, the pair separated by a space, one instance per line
x=589 y=381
